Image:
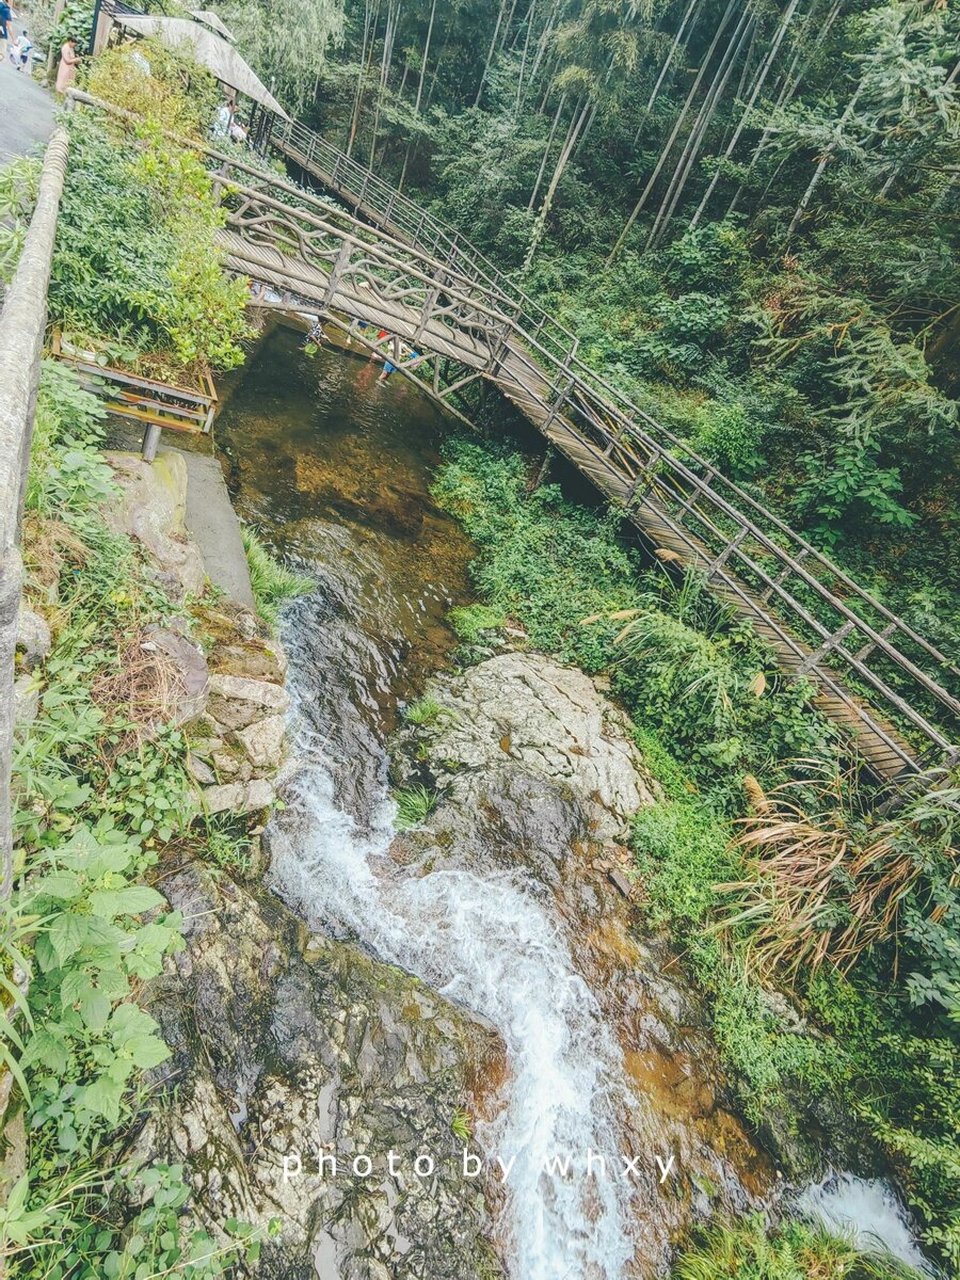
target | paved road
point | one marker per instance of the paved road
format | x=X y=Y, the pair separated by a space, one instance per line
x=26 y=113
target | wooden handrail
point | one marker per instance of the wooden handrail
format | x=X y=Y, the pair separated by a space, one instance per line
x=752 y=555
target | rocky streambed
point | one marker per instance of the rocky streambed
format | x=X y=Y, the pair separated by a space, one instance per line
x=450 y=1050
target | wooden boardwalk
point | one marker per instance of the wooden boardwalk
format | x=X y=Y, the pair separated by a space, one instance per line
x=386 y=264
x=419 y=281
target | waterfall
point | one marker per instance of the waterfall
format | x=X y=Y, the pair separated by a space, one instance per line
x=484 y=942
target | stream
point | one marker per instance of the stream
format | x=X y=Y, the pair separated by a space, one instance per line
x=606 y=1131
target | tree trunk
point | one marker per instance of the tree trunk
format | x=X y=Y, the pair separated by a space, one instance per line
x=368 y=27
x=819 y=170
x=792 y=82
x=544 y=41
x=523 y=58
x=493 y=45
x=426 y=55
x=674 y=133
x=751 y=102
x=546 y=151
x=386 y=60
x=667 y=63
x=540 y=225
x=702 y=123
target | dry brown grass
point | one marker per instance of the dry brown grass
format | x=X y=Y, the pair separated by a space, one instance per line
x=824 y=883
x=49 y=547
x=140 y=692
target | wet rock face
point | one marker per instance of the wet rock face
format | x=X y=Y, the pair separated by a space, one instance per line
x=550 y=721
x=286 y=1048
x=537 y=775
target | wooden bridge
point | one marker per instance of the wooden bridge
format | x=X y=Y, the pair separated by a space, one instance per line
x=386 y=263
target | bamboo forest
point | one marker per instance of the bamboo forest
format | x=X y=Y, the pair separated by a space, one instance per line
x=480 y=628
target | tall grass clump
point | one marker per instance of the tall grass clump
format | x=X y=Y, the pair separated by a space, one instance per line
x=272 y=583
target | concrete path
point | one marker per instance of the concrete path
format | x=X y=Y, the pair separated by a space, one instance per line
x=215 y=529
x=26 y=112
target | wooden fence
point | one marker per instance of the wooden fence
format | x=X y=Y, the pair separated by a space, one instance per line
x=820 y=621
x=875 y=672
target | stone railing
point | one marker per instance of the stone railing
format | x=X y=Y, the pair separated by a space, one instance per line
x=22 y=326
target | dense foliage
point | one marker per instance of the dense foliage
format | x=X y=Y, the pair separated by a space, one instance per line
x=746 y=210
x=99 y=789
x=136 y=273
x=801 y=889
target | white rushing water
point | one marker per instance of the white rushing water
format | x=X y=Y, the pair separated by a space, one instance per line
x=486 y=943
x=867 y=1211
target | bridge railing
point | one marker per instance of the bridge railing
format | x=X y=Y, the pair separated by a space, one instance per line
x=848 y=628
x=423 y=230
x=820 y=621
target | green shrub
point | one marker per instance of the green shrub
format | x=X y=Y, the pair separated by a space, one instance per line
x=272 y=582
x=730 y=435
x=794 y=1251
x=472 y=620
x=682 y=851
x=136 y=257
x=426 y=711
x=414 y=805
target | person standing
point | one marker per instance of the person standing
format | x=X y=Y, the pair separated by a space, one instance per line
x=6 y=23
x=67 y=70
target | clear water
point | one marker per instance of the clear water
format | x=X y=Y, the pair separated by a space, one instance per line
x=335 y=469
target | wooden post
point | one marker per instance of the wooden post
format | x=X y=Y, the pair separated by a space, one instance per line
x=783 y=575
x=151 y=441
x=813 y=660
x=867 y=649
x=426 y=312
x=727 y=551
x=647 y=471
x=558 y=404
x=343 y=259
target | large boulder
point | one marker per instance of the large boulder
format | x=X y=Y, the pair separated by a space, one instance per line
x=286 y=1046
x=553 y=722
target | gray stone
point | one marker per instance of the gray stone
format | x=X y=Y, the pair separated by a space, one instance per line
x=26 y=700
x=186 y=659
x=200 y=771
x=275 y=1054
x=34 y=641
x=151 y=509
x=239 y=797
x=552 y=721
x=263 y=742
x=236 y=702
x=226 y=763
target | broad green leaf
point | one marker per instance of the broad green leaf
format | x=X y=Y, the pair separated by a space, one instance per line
x=95 y=1008
x=147 y=1051
x=103 y=1098
x=59 y=884
x=131 y=901
x=68 y=933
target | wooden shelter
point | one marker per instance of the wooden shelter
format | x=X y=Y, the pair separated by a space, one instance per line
x=209 y=49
